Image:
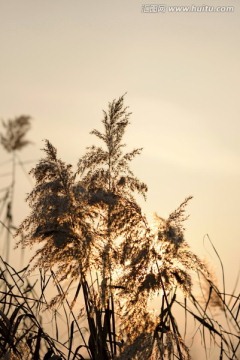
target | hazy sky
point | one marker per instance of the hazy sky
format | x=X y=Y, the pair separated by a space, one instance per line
x=62 y=61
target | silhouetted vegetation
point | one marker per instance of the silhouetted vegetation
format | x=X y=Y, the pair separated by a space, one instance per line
x=101 y=264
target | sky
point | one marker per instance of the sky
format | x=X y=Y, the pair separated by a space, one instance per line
x=62 y=61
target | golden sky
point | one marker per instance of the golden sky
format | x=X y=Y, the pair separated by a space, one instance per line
x=62 y=61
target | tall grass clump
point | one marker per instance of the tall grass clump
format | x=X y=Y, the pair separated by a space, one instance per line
x=105 y=264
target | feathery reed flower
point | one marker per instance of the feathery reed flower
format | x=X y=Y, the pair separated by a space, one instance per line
x=16 y=129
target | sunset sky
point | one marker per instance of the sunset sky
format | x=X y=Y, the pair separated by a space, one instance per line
x=62 y=61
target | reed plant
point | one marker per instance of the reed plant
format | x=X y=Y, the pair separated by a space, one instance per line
x=103 y=263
